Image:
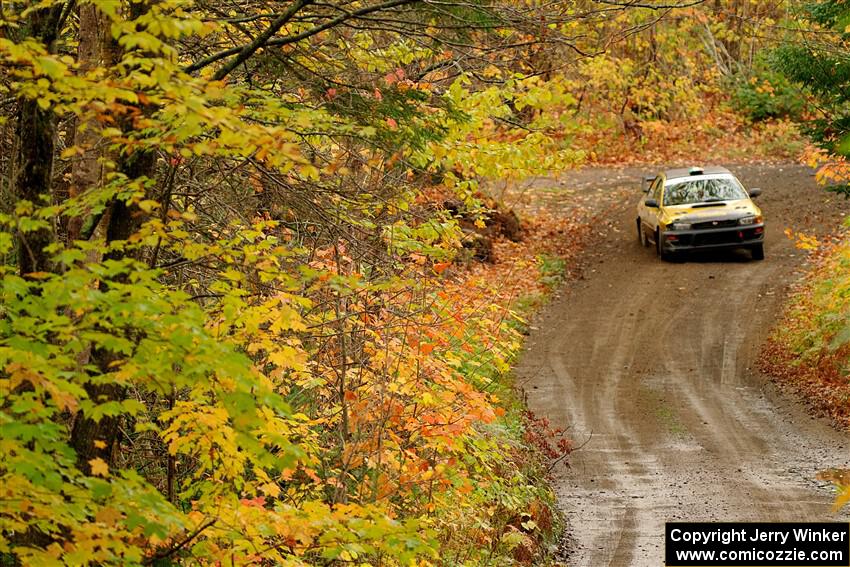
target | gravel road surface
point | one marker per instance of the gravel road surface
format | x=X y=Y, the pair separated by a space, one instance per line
x=650 y=365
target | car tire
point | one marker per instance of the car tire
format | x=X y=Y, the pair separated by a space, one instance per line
x=642 y=235
x=670 y=256
x=664 y=254
x=757 y=252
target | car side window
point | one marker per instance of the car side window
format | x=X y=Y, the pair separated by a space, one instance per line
x=650 y=192
x=655 y=191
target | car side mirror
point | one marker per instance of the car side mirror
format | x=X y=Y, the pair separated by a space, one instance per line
x=651 y=203
x=755 y=192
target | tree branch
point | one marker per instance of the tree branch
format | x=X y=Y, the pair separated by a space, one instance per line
x=265 y=40
x=639 y=4
x=246 y=52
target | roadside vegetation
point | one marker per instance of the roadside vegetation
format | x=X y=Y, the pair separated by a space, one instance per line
x=260 y=289
x=809 y=351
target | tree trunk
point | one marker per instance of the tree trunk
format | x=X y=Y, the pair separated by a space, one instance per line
x=96 y=49
x=101 y=439
x=36 y=143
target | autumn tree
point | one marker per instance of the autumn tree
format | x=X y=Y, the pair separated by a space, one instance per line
x=227 y=326
x=814 y=57
x=220 y=335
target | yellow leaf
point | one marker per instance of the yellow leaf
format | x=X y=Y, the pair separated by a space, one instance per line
x=842 y=499
x=99 y=467
x=100 y=444
x=108 y=515
x=148 y=205
x=69 y=152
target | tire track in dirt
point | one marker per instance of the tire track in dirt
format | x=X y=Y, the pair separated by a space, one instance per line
x=651 y=361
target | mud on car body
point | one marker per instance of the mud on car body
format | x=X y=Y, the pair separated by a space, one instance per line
x=697 y=209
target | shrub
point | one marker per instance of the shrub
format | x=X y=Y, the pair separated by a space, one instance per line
x=764 y=95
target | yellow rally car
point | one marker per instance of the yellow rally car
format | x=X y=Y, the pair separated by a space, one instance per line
x=697 y=209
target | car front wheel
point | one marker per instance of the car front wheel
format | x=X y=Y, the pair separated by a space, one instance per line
x=668 y=256
x=644 y=241
x=664 y=254
x=757 y=252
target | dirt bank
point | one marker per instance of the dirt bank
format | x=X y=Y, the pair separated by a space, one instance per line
x=651 y=362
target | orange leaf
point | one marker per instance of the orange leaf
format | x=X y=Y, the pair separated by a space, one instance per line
x=440 y=267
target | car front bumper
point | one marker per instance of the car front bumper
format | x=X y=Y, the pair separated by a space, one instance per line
x=709 y=239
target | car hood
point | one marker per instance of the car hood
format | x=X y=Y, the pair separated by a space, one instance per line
x=714 y=211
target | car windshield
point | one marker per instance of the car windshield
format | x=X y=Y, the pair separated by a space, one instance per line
x=703 y=190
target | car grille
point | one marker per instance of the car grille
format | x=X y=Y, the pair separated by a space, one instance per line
x=725 y=237
x=714 y=224
x=716 y=238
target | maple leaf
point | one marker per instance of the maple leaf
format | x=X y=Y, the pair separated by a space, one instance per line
x=99 y=467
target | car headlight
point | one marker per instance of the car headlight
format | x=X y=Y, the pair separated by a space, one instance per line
x=752 y=219
x=678 y=225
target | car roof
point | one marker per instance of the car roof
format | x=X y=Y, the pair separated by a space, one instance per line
x=687 y=171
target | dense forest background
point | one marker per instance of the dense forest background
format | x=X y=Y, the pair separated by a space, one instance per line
x=259 y=285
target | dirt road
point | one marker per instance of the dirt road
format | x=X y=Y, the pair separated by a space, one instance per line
x=650 y=363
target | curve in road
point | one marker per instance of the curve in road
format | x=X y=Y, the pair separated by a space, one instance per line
x=650 y=364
